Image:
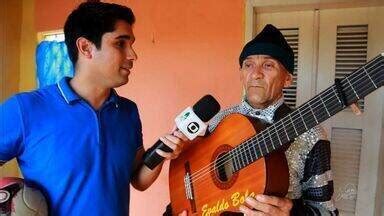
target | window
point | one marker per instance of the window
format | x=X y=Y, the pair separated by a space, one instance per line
x=52 y=60
x=292 y=37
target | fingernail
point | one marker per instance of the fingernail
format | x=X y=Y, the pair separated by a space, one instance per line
x=159 y=152
x=260 y=197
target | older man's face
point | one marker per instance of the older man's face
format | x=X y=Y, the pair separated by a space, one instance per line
x=263 y=80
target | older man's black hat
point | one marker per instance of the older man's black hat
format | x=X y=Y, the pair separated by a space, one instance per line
x=270 y=41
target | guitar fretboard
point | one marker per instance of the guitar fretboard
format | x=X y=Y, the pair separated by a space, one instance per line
x=355 y=86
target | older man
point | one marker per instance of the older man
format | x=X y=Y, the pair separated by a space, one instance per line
x=266 y=67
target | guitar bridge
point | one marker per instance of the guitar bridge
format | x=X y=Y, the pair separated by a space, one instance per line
x=189 y=187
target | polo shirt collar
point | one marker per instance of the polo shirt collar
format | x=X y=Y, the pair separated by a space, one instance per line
x=70 y=95
x=66 y=90
x=113 y=98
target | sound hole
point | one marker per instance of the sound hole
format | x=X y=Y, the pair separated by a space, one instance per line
x=224 y=167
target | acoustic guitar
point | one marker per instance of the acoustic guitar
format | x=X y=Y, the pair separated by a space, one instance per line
x=243 y=158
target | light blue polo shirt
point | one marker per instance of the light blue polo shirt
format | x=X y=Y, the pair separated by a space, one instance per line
x=79 y=157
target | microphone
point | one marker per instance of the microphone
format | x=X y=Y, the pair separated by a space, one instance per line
x=191 y=122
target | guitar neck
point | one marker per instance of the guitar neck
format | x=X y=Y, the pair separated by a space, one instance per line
x=332 y=100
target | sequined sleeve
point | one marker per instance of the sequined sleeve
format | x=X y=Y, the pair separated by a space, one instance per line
x=221 y=115
x=317 y=183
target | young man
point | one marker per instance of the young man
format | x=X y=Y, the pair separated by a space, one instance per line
x=266 y=67
x=79 y=142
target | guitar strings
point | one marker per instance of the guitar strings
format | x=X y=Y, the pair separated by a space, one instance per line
x=247 y=147
x=195 y=175
x=241 y=146
x=349 y=88
x=262 y=133
x=379 y=76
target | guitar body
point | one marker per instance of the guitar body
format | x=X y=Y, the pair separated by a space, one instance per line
x=217 y=191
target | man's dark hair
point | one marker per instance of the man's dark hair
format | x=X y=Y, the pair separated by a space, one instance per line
x=91 y=20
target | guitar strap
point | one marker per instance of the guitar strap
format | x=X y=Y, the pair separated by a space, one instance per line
x=281 y=112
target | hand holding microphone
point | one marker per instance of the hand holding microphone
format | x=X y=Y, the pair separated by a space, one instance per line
x=190 y=123
x=175 y=141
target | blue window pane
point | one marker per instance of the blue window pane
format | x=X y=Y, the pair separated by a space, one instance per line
x=52 y=62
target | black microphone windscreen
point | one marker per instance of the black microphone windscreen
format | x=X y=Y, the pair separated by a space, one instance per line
x=206 y=108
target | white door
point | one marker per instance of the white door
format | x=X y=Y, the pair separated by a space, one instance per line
x=355 y=140
x=347 y=39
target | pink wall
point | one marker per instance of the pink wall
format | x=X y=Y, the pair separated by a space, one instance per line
x=186 y=49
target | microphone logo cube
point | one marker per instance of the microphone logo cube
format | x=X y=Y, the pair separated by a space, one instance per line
x=190 y=124
x=193 y=127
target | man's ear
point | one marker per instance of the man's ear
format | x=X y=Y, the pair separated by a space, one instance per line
x=288 y=79
x=242 y=80
x=84 y=46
